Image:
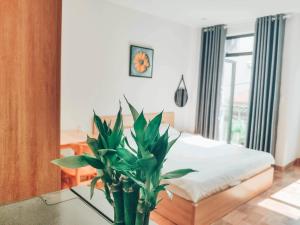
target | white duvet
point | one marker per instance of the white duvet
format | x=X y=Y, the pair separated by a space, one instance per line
x=219 y=165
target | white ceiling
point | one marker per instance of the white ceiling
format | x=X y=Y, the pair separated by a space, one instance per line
x=211 y=12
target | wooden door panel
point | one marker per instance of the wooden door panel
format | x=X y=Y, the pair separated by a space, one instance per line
x=30 y=32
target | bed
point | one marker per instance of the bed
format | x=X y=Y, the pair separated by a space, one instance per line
x=228 y=176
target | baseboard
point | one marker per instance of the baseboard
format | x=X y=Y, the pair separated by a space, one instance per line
x=296 y=162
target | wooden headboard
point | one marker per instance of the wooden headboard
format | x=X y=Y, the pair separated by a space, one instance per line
x=167 y=118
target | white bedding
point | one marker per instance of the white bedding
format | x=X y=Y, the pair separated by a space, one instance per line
x=220 y=165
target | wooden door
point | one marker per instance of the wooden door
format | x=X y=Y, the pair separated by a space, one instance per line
x=30 y=37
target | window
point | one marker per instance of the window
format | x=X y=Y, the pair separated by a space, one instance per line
x=235 y=89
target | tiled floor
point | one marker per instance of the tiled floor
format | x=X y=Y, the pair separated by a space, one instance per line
x=280 y=205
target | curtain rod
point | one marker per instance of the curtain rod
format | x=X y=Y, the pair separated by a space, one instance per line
x=286 y=16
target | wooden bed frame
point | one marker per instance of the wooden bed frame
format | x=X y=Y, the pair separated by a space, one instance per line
x=184 y=212
x=209 y=210
x=167 y=118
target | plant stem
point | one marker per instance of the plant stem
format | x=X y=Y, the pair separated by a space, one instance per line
x=130 y=193
x=140 y=212
x=117 y=193
x=147 y=217
x=107 y=193
x=147 y=200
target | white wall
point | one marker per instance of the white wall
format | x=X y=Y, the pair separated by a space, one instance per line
x=95 y=61
x=241 y=28
x=95 y=56
x=288 y=137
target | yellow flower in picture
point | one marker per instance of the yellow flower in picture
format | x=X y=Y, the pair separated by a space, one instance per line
x=141 y=62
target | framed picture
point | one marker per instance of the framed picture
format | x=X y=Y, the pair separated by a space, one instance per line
x=141 y=61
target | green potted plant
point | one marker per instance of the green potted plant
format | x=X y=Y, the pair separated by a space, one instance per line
x=131 y=176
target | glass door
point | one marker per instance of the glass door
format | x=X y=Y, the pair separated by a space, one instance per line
x=240 y=102
x=235 y=89
x=227 y=93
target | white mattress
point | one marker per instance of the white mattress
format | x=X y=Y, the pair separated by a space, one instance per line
x=220 y=166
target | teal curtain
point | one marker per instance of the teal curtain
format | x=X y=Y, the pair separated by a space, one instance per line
x=265 y=87
x=211 y=69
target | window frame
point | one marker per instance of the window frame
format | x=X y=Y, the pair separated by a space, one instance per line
x=239 y=53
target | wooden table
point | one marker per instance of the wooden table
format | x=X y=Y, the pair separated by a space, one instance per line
x=66 y=207
x=58 y=208
x=73 y=142
x=98 y=202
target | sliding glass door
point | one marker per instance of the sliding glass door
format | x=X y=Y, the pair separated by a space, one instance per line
x=227 y=93
x=235 y=89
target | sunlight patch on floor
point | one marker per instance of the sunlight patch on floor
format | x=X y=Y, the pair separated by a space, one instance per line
x=281 y=208
x=285 y=201
x=289 y=194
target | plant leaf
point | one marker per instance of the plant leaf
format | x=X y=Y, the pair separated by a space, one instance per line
x=133 y=111
x=161 y=187
x=118 y=123
x=73 y=162
x=152 y=130
x=171 y=143
x=106 y=127
x=119 y=164
x=139 y=127
x=102 y=142
x=160 y=148
x=158 y=201
x=107 y=194
x=93 y=145
x=94 y=162
x=126 y=156
x=115 y=138
x=127 y=143
x=103 y=151
x=93 y=184
x=134 y=179
x=177 y=173
x=99 y=125
x=122 y=166
x=148 y=163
